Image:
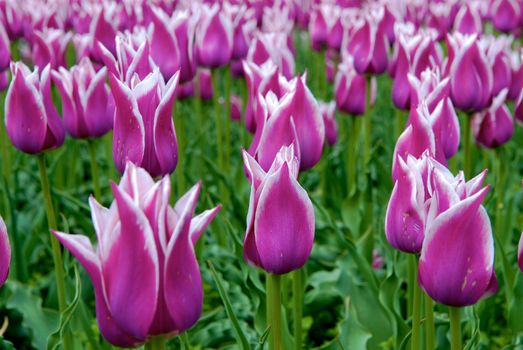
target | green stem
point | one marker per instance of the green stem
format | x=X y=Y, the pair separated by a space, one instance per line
x=219 y=132
x=275 y=313
x=155 y=343
x=467 y=147
x=416 y=310
x=268 y=305
x=368 y=122
x=430 y=343
x=297 y=296
x=55 y=245
x=184 y=340
x=94 y=170
x=4 y=144
x=410 y=285
x=321 y=76
x=353 y=134
x=455 y=328
x=180 y=138
x=228 y=131
x=400 y=124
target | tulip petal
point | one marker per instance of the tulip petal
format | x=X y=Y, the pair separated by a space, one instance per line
x=5 y=253
x=200 y=222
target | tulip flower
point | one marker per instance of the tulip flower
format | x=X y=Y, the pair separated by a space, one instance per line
x=5 y=253
x=516 y=80
x=518 y=108
x=495 y=126
x=144 y=271
x=143 y=128
x=368 y=44
x=471 y=79
x=280 y=222
x=85 y=100
x=295 y=116
x=164 y=45
x=185 y=32
x=274 y=47
x=205 y=81
x=31 y=120
x=440 y=18
x=456 y=266
x=244 y=25
x=496 y=50
x=349 y=87
x=506 y=14
x=49 y=47
x=5 y=50
x=325 y=27
x=103 y=30
x=214 y=37
x=468 y=20
x=328 y=112
x=236 y=108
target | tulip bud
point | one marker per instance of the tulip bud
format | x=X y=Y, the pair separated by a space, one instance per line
x=144 y=271
x=31 y=120
x=505 y=14
x=5 y=253
x=280 y=222
x=368 y=44
x=456 y=265
x=470 y=73
x=350 y=90
x=85 y=97
x=494 y=127
x=328 y=112
x=214 y=37
x=164 y=46
x=468 y=20
x=144 y=132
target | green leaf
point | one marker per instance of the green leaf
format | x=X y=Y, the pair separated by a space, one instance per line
x=55 y=338
x=6 y=345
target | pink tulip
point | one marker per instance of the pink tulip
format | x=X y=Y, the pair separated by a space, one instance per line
x=214 y=37
x=164 y=45
x=440 y=18
x=325 y=27
x=496 y=50
x=495 y=126
x=274 y=47
x=516 y=80
x=144 y=271
x=328 y=112
x=5 y=50
x=144 y=132
x=85 y=100
x=468 y=20
x=244 y=25
x=5 y=253
x=205 y=84
x=236 y=108
x=31 y=119
x=349 y=87
x=456 y=266
x=280 y=222
x=505 y=14
x=49 y=47
x=102 y=30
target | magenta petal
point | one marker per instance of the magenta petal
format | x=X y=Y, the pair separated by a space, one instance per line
x=164 y=47
x=457 y=257
x=200 y=222
x=5 y=252
x=131 y=270
x=98 y=120
x=283 y=223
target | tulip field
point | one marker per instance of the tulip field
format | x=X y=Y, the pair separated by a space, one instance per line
x=261 y=174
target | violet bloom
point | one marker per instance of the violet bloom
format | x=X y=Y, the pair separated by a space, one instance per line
x=85 y=100
x=456 y=265
x=244 y=25
x=470 y=73
x=368 y=44
x=31 y=119
x=5 y=253
x=516 y=80
x=468 y=20
x=505 y=14
x=144 y=132
x=49 y=47
x=5 y=50
x=144 y=271
x=295 y=117
x=328 y=112
x=274 y=47
x=496 y=50
x=325 y=27
x=280 y=222
x=495 y=126
x=214 y=37
x=102 y=30
x=350 y=90
x=440 y=18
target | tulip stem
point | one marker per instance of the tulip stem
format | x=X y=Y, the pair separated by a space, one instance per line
x=94 y=169
x=430 y=343
x=6 y=159
x=467 y=147
x=155 y=343
x=321 y=76
x=219 y=131
x=275 y=312
x=400 y=124
x=227 y=97
x=180 y=130
x=455 y=328
x=297 y=296
x=416 y=310
x=353 y=135
x=57 y=254
x=368 y=122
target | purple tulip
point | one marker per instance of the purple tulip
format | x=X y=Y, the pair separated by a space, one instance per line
x=144 y=132
x=5 y=50
x=244 y=25
x=468 y=20
x=5 y=253
x=429 y=87
x=496 y=50
x=31 y=119
x=296 y=117
x=49 y=47
x=325 y=27
x=274 y=47
x=349 y=87
x=440 y=18
x=144 y=271
x=456 y=266
x=214 y=37
x=516 y=80
x=280 y=222
x=236 y=108
x=103 y=30
x=470 y=73
x=205 y=81
x=85 y=100
x=368 y=44
x=185 y=32
x=505 y=14
x=495 y=126
x=520 y=253
x=328 y=112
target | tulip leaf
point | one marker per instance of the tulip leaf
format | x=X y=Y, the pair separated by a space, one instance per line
x=6 y=345
x=516 y=306
x=240 y=336
x=54 y=339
